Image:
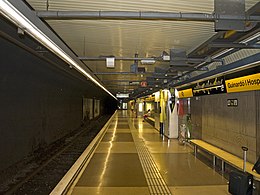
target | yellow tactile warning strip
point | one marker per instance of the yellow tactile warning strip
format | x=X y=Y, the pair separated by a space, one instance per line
x=156 y=183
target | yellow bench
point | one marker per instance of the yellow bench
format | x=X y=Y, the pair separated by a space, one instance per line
x=224 y=156
x=152 y=119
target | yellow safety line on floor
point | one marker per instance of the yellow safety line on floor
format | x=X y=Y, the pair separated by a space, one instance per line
x=156 y=183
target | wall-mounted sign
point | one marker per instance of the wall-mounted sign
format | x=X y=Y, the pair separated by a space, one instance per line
x=134 y=83
x=232 y=102
x=185 y=93
x=208 y=87
x=141 y=69
x=143 y=84
x=246 y=83
x=122 y=95
x=110 y=62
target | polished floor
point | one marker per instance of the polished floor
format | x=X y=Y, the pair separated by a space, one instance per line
x=133 y=158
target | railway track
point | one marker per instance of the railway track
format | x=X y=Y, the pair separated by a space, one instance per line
x=41 y=175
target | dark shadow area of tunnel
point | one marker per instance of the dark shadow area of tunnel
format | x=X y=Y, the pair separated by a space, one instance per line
x=41 y=171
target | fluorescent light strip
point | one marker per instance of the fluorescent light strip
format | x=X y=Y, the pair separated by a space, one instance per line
x=244 y=41
x=257 y=35
x=230 y=49
x=22 y=22
x=222 y=53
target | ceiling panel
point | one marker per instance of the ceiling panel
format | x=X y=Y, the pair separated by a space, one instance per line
x=134 y=5
x=93 y=38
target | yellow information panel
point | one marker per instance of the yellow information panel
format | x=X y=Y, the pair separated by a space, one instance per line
x=186 y=93
x=246 y=83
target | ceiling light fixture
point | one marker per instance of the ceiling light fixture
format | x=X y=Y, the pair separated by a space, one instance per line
x=147 y=62
x=13 y=14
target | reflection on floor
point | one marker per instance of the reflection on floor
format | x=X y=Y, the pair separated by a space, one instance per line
x=121 y=164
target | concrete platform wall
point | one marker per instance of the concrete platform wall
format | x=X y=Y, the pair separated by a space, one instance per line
x=231 y=127
x=38 y=104
x=196 y=117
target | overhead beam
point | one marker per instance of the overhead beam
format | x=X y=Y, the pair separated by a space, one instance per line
x=160 y=77
x=101 y=58
x=139 y=15
x=235 y=45
x=189 y=60
x=243 y=64
x=143 y=73
x=121 y=81
x=121 y=88
x=182 y=68
x=125 y=85
x=122 y=73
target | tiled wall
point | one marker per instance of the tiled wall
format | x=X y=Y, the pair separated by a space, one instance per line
x=231 y=127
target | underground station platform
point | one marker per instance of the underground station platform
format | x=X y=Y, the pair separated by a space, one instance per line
x=129 y=156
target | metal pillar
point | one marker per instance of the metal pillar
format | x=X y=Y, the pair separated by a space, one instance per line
x=214 y=160
x=222 y=166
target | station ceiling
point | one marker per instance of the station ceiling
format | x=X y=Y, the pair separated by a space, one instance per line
x=124 y=38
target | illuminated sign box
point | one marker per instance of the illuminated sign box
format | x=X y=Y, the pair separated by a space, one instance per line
x=134 y=83
x=110 y=62
x=122 y=95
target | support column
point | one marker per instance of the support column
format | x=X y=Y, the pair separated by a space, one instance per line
x=222 y=166
x=162 y=108
x=214 y=160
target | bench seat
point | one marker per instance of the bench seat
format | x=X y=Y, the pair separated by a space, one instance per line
x=150 y=118
x=224 y=156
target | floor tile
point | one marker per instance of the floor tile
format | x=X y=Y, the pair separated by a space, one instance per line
x=122 y=126
x=169 y=146
x=116 y=147
x=118 y=137
x=113 y=170
x=153 y=137
x=185 y=170
x=111 y=191
x=200 y=190
x=118 y=130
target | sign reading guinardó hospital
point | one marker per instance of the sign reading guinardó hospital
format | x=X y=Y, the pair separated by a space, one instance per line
x=246 y=83
x=186 y=93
